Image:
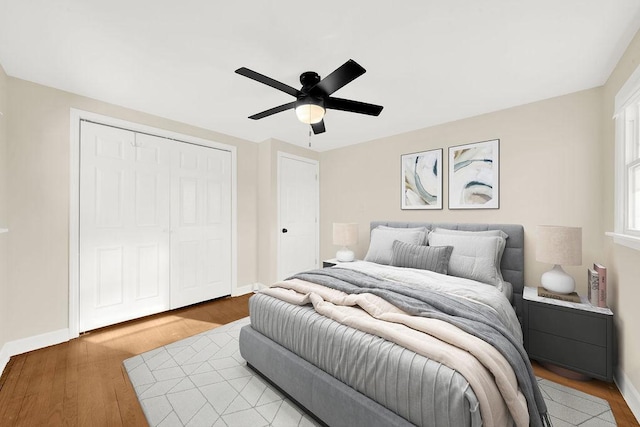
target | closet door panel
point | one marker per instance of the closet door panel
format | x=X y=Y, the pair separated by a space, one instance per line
x=124 y=225
x=201 y=229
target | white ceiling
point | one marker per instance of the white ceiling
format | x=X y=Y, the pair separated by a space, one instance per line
x=427 y=61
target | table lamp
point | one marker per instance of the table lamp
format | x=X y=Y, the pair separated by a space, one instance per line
x=345 y=234
x=559 y=246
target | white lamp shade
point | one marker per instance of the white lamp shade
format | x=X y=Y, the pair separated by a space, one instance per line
x=559 y=245
x=309 y=113
x=345 y=234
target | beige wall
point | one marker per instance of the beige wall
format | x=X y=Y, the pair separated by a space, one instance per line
x=550 y=173
x=38 y=200
x=623 y=263
x=4 y=278
x=268 y=204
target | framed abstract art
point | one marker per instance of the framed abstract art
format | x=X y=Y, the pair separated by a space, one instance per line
x=474 y=172
x=422 y=180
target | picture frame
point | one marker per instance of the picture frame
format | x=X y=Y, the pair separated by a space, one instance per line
x=422 y=180
x=474 y=175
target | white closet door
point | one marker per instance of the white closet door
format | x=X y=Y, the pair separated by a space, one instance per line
x=124 y=225
x=200 y=224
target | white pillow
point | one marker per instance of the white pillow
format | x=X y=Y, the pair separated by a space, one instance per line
x=498 y=233
x=475 y=257
x=472 y=233
x=382 y=238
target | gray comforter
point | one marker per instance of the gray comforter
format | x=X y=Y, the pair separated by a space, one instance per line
x=468 y=316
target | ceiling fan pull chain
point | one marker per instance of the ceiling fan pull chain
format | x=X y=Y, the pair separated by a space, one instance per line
x=309 y=138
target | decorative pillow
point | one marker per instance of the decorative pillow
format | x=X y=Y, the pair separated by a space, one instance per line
x=434 y=258
x=382 y=238
x=474 y=257
x=424 y=230
x=498 y=233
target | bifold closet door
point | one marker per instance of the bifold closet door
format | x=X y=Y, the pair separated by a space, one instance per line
x=124 y=225
x=201 y=224
x=155 y=225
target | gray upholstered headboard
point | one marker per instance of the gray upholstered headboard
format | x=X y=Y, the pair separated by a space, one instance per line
x=512 y=264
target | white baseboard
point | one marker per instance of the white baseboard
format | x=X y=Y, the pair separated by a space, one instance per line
x=242 y=290
x=629 y=393
x=23 y=345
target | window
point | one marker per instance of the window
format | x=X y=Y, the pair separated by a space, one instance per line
x=631 y=165
x=627 y=163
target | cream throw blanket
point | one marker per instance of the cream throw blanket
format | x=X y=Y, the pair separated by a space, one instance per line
x=484 y=367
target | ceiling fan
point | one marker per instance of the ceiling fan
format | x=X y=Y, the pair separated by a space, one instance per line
x=314 y=98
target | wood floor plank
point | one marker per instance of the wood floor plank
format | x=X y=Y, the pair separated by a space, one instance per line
x=56 y=406
x=12 y=377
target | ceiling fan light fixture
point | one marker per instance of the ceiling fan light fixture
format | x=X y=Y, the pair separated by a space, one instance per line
x=310 y=113
x=314 y=97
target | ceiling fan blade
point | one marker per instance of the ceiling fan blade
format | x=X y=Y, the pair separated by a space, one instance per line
x=318 y=127
x=268 y=81
x=352 y=106
x=273 y=110
x=344 y=74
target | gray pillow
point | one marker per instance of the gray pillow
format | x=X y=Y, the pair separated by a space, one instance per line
x=498 y=233
x=382 y=238
x=434 y=258
x=475 y=257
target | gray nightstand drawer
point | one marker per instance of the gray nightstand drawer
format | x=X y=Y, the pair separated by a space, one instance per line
x=575 y=355
x=584 y=328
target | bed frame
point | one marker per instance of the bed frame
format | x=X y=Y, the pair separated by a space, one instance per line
x=329 y=399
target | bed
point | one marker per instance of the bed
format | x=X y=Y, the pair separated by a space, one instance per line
x=311 y=337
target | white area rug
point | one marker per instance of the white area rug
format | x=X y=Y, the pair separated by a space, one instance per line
x=203 y=381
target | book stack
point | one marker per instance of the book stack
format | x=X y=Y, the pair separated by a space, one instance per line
x=572 y=297
x=597 y=285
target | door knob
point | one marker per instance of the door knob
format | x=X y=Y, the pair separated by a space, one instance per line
x=284 y=230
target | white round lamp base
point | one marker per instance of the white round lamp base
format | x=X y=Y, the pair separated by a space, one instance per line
x=557 y=280
x=345 y=255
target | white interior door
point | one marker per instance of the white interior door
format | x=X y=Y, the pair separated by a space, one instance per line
x=124 y=224
x=298 y=215
x=201 y=224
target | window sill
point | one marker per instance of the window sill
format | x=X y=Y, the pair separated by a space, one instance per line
x=632 y=242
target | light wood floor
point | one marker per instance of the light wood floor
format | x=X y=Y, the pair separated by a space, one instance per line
x=82 y=382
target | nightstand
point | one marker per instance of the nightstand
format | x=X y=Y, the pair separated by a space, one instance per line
x=575 y=336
